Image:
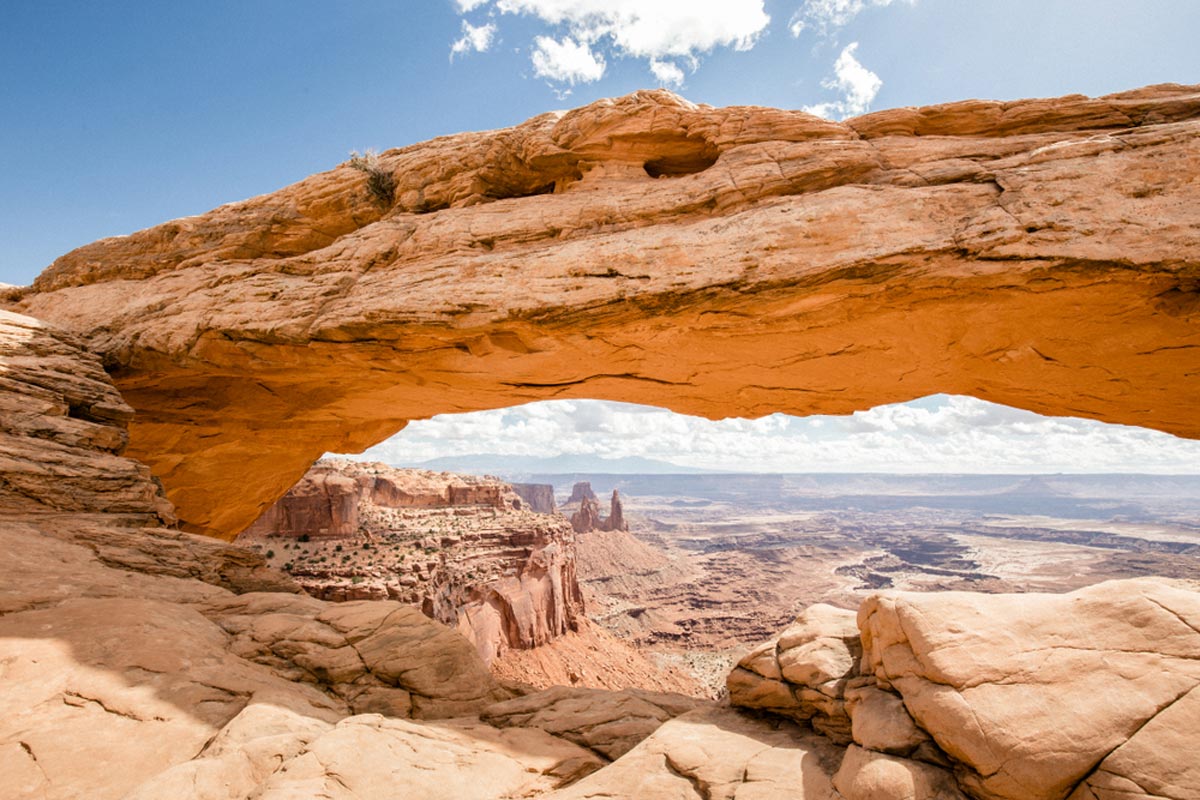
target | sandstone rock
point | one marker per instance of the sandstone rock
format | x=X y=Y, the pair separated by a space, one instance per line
x=1028 y=253
x=592 y=657
x=1030 y=694
x=804 y=673
x=539 y=496
x=131 y=667
x=584 y=507
x=63 y=475
x=880 y=722
x=1157 y=761
x=63 y=429
x=867 y=775
x=718 y=754
x=375 y=757
x=616 y=514
x=582 y=490
x=610 y=723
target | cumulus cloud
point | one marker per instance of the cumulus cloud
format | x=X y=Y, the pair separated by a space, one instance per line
x=857 y=84
x=938 y=434
x=474 y=37
x=667 y=72
x=655 y=31
x=566 y=61
x=826 y=16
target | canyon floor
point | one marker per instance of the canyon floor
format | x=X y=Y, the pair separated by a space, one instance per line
x=716 y=563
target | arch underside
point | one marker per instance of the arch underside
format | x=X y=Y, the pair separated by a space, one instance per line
x=1043 y=255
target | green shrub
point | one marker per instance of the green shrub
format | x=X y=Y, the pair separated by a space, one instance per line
x=380 y=183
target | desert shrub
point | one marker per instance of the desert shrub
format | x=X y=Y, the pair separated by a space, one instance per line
x=270 y=554
x=381 y=184
x=304 y=537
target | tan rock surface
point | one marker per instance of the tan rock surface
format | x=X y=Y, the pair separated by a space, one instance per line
x=610 y=723
x=804 y=673
x=1035 y=253
x=1031 y=693
x=868 y=775
x=129 y=666
x=719 y=754
x=594 y=658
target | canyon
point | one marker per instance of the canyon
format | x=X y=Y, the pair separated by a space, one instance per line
x=466 y=550
x=163 y=391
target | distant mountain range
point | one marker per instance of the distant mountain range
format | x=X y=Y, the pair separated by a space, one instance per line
x=514 y=467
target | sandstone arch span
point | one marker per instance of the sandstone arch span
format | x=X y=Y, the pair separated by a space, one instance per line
x=1044 y=254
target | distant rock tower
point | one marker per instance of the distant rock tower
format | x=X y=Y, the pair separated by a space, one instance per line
x=587 y=517
x=616 y=514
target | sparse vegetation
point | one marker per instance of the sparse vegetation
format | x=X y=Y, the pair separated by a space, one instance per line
x=381 y=184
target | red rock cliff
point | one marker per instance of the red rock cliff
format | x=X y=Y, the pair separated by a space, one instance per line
x=467 y=550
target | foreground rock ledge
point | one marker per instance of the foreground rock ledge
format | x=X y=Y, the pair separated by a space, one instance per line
x=1044 y=254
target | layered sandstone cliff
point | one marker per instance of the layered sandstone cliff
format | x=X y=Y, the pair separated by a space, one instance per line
x=464 y=549
x=733 y=261
x=539 y=496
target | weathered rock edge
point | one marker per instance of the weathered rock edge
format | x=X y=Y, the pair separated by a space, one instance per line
x=1088 y=695
x=1044 y=254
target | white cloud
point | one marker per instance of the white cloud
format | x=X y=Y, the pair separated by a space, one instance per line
x=857 y=84
x=474 y=37
x=939 y=434
x=567 y=61
x=825 y=16
x=667 y=72
x=654 y=31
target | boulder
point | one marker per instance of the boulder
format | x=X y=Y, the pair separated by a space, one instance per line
x=1030 y=694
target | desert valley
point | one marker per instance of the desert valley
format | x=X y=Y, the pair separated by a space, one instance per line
x=700 y=568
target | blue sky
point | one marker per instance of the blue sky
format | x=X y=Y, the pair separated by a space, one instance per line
x=119 y=115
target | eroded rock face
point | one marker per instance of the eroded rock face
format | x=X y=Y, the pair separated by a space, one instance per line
x=718 y=754
x=539 y=496
x=144 y=662
x=1037 y=253
x=584 y=508
x=610 y=723
x=465 y=549
x=804 y=674
x=1033 y=695
x=1091 y=694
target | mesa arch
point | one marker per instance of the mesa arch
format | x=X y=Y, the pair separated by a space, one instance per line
x=1043 y=254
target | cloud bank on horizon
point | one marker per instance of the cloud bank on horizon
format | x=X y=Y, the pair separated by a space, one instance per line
x=943 y=433
x=581 y=37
